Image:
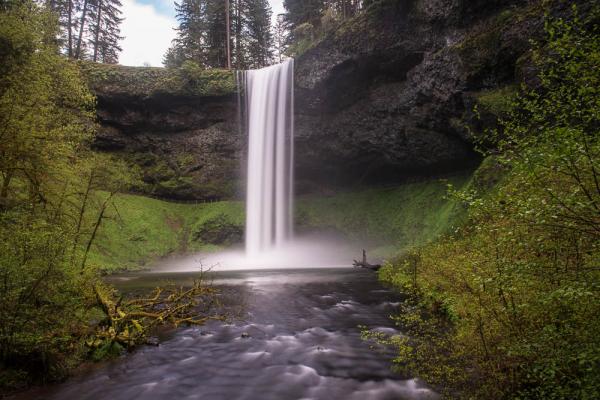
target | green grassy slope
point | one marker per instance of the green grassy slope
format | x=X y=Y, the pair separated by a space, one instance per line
x=140 y=229
x=390 y=219
x=387 y=220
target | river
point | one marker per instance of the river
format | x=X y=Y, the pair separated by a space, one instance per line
x=294 y=334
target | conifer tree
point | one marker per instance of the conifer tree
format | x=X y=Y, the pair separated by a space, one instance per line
x=280 y=34
x=202 y=34
x=105 y=31
x=303 y=11
x=67 y=17
x=216 y=34
x=239 y=18
x=83 y=20
x=89 y=26
x=260 y=37
x=190 y=43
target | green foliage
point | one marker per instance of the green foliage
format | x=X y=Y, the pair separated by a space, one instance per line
x=300 y=12
x=51 y=205
x=519 y=283
x=310 y=22
x=45 y=119
x=305 y=38
x=498 y=101
x=138 y=230
x=393 y=219
x=190 y=79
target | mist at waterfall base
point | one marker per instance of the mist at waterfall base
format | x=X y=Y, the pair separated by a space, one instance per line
x=266 y=116
x=317 y=250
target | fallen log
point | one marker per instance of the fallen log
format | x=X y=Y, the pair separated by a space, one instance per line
x=128 y=321
x=365 y=264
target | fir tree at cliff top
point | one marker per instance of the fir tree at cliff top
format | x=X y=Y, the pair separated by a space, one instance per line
x=89 y=29
x=202 y=34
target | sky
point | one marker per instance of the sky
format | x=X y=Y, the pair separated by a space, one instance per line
x=148 y=29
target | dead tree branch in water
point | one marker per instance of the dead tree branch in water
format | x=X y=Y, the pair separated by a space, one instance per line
x=129 y=321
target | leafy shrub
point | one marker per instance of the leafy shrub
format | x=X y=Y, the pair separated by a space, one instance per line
x=519 y=284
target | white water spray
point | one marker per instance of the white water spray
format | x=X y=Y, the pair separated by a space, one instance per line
x=269 y=95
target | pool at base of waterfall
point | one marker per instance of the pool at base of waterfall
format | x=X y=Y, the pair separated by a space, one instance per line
x=295 y=335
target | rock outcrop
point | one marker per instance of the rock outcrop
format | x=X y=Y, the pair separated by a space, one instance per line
x=178 y=129
x=386 y=96
x=389 y=94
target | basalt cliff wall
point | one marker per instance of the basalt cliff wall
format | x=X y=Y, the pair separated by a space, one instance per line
x=385 y=97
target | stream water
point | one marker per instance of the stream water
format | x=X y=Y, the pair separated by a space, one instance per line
x=294 y=333
x=296 y=336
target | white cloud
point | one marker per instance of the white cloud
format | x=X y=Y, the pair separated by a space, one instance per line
x=147 y=33
x=277 y=6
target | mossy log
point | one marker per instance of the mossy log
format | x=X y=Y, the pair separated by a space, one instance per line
x=128 y=321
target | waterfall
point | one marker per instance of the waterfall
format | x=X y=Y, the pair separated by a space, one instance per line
x=269 y=120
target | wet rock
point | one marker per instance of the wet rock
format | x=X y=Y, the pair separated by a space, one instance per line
x=384 y=98
x=245 y=335
x=391 y=95
x=153 y=341
x=187 y=147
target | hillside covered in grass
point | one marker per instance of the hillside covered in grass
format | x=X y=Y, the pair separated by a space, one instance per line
x=385 y=220
x=140 y=229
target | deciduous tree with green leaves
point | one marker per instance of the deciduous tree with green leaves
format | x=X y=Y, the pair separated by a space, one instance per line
x=510 y=304
x=55 y=196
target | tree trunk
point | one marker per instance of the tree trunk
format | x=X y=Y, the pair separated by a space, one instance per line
x=97 y=30
x=5 y=184
x=70 y=28
x=82 y=210
x=83 y=15
x=228 y=31
x=95 y=231
x=238 y=35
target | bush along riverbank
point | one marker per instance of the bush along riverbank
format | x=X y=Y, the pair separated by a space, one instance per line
x=508 y=306
x=56 y=195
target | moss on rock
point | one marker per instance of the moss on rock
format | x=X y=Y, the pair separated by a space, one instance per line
x=189 y=80
x=221 y=230
x=497 y=101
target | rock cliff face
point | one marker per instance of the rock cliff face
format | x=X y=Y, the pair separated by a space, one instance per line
x=178 y=129
x=185 y=148
x=389 y=94
x=385 y=97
